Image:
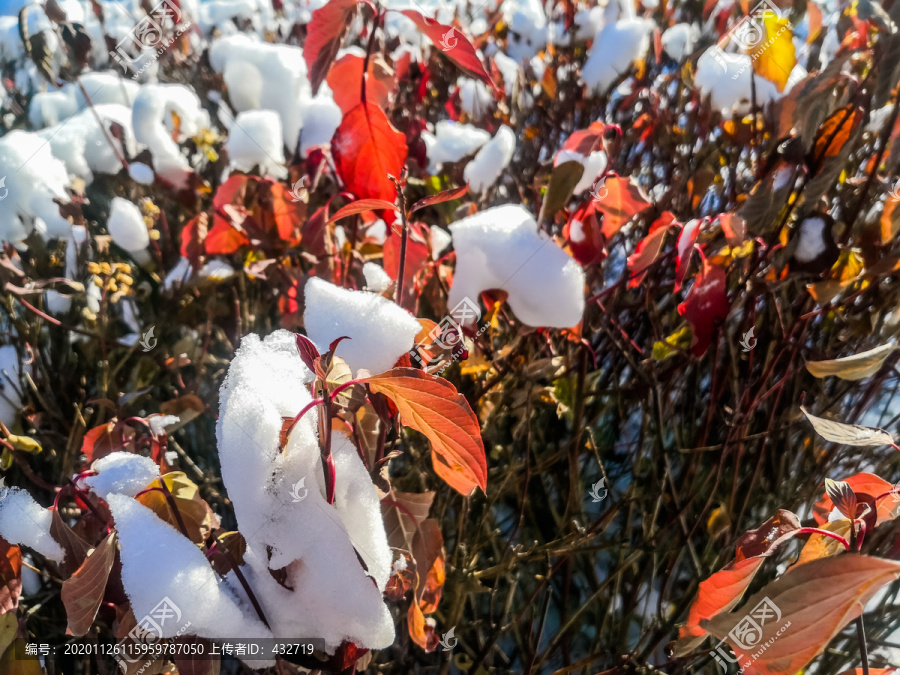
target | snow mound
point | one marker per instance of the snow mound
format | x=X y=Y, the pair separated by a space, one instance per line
x=126 y=225
x=615 y=48
x=500 y=248
x=259 y=75
x=33 y=178
x=256 y=140
x=377 y=280
x=24 y=521
x=121 y=473
x=451 y=142
x=279 y=500
x=153 y=116
x=483 y=171
x=380 y=332
x=159 y=563
x=320 y=118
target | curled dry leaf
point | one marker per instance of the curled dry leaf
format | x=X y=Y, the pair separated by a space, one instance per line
x=848 y=434
x=807 y=607
x=83 y=591
x=856 y=367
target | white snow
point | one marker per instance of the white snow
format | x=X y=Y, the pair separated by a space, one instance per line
x=33 y=178
x=678 y=41
x=451 y=142
x=377 y=280
x=439 y=239
x=320 y=118
x=259 y=75
x=312 y=541
x=140 y=173
x=380 y=332
x=528 y=29
x=615 y=48
x=500 y=248
x=126 y=225
x=158 y=562
x=103 y=88
x=594 y=165
x=474 y=97
x=256 y=140
x=811 y=241
x=122 y=473
x=24 y=521
x=216 y=270
x=483 y=171
x=154 y=115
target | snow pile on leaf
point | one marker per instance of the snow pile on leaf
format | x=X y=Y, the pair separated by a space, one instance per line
x=24 y=521
x=256 y=140
x=501 y=248
x=323 y=590
x=380 y=332
x=483 y=171
x=121 y=473
x=126 y=225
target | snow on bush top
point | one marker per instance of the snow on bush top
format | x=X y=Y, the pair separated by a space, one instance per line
x=24 y=521
x=279 y=502
x=122 y=473
x=500 y=248
x=380 y=332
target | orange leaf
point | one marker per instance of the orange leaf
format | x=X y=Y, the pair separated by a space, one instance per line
x=890 y=223
x=83 y=591
x=367 y=148
x=99 y=441
x=345 y=81
x=804 y=609
x=622 y=200
x=453 y=44
x=868 y=484
x=224 y=238
x=324 y=35
x=10 y=576
x=288 y=212
x=647 y=250
x=586 y=141
x=432 y=406
x=821 y=546
x=361 y=206
x=836 y=130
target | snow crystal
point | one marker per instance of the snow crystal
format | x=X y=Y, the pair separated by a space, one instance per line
x=279 y=502
x=33 y=178
x=153 y=116
x=255 y=140
x=122 y=473
x=377 y=280
x=126 y=225
x=500 y=248
x=483 y=171
x=811 y=242
x=158 y=563
x=380 y=332
x=10 y=384
x=615 y=48
x=451 y=142
x=24 y=521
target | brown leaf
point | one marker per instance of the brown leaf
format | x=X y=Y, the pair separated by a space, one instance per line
x=433 y=407
x=83 y=591
x=10 y=576
x=806 y=607
x=404 y=512
x=562 y=184
x=196 y=515
x=75 y=547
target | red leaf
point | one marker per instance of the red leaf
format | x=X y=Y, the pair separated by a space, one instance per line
x=224 y=238
x=862 y=483
x=366 y=148
x=586 y=141
x=361 y=206
x=193 y=235
x=324 y=34
x=582 y=232
x=433 y=407
x=647 y=251
x=416 y=257
x=439 y=198
x=308 y=351
x=724 y=589
x=705 y=306
x=685 y=247
x=10 y=576
x=345 y=81
x=99 y=441
x=83 y=591
x=454 y=45
x=622 y=200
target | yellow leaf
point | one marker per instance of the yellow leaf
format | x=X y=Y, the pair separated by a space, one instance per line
x=774 y=56
x=822 y=546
